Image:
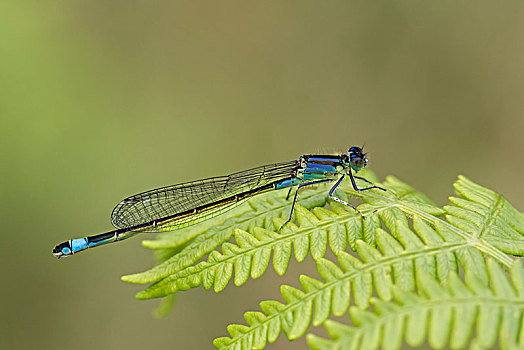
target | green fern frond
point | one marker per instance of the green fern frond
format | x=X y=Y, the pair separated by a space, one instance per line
x=487 y=216
x=436 y=252
x=251 y=255
x=479 y=215
x=404 y=244
x=339 y=227
x=315 y=231
x=445 y=315
x=440 y=246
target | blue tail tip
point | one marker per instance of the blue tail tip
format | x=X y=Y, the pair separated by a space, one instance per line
x=62 y=250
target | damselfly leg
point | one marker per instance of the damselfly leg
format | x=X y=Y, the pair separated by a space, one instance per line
x=355 y=187
x=289 y=193
x=363 y=179
x=332 y=190
x=295 y=197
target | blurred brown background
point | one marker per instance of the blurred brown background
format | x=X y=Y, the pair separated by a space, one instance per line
x=100 y=100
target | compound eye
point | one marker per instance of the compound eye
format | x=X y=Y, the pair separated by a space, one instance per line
x=357 y=163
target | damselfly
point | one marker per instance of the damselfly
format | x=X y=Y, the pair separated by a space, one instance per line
x=172 y=207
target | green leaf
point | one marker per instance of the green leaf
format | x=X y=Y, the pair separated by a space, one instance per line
x=449 y=312
x=406 y=265
x=488 y=216
x=407 y=252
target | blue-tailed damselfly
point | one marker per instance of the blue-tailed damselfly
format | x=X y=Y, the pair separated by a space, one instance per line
x=176 y=206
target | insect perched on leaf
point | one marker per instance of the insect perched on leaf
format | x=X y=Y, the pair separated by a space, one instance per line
x=172 y=207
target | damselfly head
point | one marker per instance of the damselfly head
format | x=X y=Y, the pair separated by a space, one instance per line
x=357 y=159
x=62 y=250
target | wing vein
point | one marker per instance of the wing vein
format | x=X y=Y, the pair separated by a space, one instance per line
x=175 y=199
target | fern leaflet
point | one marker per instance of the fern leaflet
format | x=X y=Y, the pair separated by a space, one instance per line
x=441 y=314
x=438 y=256
x=403 y=245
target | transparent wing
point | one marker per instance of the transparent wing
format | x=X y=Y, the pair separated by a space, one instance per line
x=176 y=199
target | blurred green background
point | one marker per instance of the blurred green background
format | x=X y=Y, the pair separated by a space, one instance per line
x=100 y=100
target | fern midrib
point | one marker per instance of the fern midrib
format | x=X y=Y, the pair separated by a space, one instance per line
x=477 y=242
x=493 y=212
